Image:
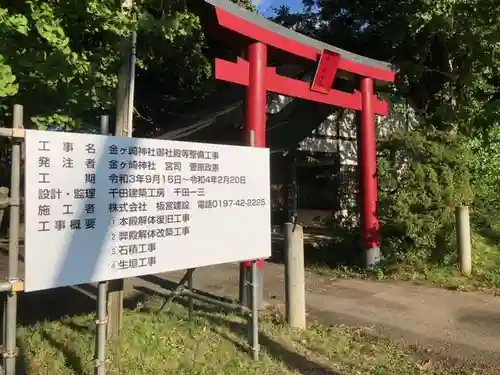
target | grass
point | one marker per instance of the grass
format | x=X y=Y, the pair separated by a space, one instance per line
x=485 y=274
x=214 y=343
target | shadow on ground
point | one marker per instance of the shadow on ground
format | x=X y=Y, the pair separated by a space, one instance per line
x=491 y=235
x=292 y=360
x=320 y=250
x=57 y=304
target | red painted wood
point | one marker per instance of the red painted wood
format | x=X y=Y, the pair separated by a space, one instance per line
x=325 y=72
x=257 y=33
x=368 y=167
x=256 y=105
x=239 y=73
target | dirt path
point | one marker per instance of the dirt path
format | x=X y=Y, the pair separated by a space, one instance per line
x=464 y=326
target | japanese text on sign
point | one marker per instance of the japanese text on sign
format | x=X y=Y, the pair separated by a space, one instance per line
x=101 y=208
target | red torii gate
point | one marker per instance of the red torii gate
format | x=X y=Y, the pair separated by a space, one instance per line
x=259 y=35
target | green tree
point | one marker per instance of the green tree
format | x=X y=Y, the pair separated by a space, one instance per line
x=423 y=177
x=485 y=171
x=61 y=59
x=446 y=54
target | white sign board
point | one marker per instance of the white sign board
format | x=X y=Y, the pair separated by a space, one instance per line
x=101 y=208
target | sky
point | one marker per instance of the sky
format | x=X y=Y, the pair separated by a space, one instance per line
x=265 y=5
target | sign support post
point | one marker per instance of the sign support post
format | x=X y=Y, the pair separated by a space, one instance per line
x=11 y=303
x=255 y=310
x=102 y=303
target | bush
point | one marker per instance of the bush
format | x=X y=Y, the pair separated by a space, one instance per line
x=485 y=176
x=423 y=176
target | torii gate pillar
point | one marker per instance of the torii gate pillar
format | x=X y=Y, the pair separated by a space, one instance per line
x=256 y=95
x=255 y=135
x=367 y=160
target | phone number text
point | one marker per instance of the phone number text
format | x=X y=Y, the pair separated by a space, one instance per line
x=227 y=203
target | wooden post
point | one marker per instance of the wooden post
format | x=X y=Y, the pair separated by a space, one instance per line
x=124 y=100
x=463 y=240
x=115 y=307
x=295 y=276
x=115 y=287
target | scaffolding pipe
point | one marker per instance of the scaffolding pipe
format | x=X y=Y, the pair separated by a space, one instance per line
x=5 y=286
x=226 y=305
x=175 y=293
x=181 y=291
x=102 y=303
x=101 y=323
x=14 y=286
x=255 y=312
x=190 y=283
x=11 y=303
